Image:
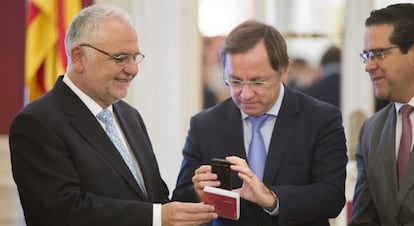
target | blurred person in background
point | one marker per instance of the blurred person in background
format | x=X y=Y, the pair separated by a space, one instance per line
x=328 y=87
x=301 y=74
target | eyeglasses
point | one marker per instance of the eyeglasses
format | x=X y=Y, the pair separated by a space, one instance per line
x=120 y=59
x=374 y=54
x=254 y=84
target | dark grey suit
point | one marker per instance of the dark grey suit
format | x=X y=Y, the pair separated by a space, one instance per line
x=305 y=164
x=377 y=200
x=68 y=172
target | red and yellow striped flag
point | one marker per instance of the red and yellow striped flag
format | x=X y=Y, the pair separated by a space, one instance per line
x=45 y=56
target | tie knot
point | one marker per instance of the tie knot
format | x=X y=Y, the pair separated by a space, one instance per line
x=406 y=110
x=257 y=121
x=105 y=116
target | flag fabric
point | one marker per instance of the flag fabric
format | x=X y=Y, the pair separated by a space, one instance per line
x=45 y=57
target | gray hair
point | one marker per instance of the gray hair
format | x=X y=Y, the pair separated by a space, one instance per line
x=87 y=21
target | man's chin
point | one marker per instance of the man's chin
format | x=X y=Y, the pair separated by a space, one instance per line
x=251 y=111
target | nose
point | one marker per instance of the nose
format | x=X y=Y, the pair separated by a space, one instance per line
x=246 y=91
x=370 y=65
x=131 y=67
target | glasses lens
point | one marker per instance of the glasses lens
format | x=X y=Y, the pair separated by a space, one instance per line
x=233 y=83
x=364 y=57
x=139 y=58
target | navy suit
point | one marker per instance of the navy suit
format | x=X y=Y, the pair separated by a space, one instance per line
x=305 y=164
x=327 y=89
x=68 y=172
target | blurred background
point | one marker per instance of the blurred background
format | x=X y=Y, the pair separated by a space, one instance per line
x=181 y=75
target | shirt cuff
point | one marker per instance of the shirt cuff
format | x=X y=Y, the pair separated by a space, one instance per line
x=156 y=215
x=273 y=211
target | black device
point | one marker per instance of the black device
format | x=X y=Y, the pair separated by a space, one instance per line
x=222 y=168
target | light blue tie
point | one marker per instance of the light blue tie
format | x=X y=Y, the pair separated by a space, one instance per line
x=106 y=117
x=257 y=149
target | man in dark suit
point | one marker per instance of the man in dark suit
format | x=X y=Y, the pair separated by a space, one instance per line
x=328 y=87
x=67 y=169
x=384 y=193
x=303 y=179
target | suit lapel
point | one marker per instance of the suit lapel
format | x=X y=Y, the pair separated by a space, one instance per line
x=233 y=131
x=89 y=128
x=135 y=136
x=386 y=152
x=285 y=125
x=97 y=137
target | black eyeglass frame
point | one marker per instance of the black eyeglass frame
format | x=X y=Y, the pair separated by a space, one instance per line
x=121 y=59
x=374 y=53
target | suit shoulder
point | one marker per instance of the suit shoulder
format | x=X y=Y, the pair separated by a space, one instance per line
x=125 y=109
x=309 y=103
x=43 y=105
x=218 y=110
x=124 y=105
x=379 y=118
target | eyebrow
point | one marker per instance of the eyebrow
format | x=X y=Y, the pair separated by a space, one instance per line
x=258 y=77
x=371 y=50
x=125 y=53
x=378 y=48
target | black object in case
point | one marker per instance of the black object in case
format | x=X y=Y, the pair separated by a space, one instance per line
x=222 y=168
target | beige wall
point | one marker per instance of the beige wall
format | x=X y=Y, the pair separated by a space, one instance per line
x=10 y=209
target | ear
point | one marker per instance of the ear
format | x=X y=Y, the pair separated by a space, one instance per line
x=410 y=54
x=285 y=73
x=78 y=58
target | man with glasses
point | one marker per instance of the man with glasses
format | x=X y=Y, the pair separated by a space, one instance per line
x=384 y=193
x=82 y=156
x=299 y=179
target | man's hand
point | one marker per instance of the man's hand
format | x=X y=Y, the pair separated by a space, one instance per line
x=204 y=177
x=252 y=189
x=186 y=214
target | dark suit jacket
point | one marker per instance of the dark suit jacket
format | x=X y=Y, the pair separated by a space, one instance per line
x=377 y=200
x=68 y=172
x=305 y=164
x=327 y=89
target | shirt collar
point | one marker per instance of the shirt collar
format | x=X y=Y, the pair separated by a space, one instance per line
x=94 y=107
x=398 y=105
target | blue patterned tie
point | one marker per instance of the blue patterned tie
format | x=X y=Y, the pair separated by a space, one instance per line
x=257 y=149
x=106 y=117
